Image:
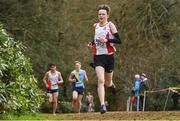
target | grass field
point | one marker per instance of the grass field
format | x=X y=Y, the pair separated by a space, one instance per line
x=173 y=115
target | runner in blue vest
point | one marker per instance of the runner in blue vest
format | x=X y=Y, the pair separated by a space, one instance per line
x=77 y=77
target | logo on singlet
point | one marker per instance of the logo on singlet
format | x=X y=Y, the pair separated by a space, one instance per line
x=99 y=43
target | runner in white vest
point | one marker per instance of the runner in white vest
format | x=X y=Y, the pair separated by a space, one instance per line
x=51 y=79
x=105 y=36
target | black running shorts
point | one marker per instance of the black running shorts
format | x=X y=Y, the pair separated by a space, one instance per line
x=106 y=61
x=52 y=90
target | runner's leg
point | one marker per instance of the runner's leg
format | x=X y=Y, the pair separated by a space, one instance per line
x=108 y=79
x=109 y=83
x=100 y=75
x=55 y=97
x=79 y=102
x=74 y=98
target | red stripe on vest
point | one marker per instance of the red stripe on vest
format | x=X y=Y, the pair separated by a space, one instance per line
x=94 y=49
x=49 y=84
x=110 y=48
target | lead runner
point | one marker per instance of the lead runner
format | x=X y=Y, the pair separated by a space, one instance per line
x=105 y=36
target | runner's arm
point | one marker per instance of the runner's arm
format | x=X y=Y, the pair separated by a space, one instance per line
x=60 y=80
x=91 y=44
x=114 y=31
x=45 y=78
x=71 y=78
x=86 y=78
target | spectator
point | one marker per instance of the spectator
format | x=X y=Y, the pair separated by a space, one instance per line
x=90 y=102
x=137 y=82
x=175 y=98
x=143 y=87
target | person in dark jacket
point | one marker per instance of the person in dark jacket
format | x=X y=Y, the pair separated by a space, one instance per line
x=143 y=87
x=175 y=97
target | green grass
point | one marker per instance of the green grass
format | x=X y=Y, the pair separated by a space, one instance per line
x=122 y=115
x=37 y=116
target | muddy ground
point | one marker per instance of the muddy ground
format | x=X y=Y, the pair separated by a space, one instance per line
x=173 y=115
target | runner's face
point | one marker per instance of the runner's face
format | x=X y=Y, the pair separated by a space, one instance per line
x=77 y=66
x=102 y=15
x=53 y=68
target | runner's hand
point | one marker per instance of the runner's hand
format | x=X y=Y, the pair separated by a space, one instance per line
x=103 y=39
x=73 y=80
x=90 y=45
x=59 y=82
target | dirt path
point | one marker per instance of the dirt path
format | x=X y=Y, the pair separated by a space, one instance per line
x=174 y=115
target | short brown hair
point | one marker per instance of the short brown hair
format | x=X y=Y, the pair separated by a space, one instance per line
x=51 y=65
x=104 y=7
x=77 y=62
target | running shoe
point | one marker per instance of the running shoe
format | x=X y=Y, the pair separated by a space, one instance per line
x=103 y=109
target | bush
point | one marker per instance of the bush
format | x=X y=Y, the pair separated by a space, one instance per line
x=18 y=87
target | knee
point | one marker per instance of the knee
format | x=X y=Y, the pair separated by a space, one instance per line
x=50 y=99
x=79 y=102
x=54 y=100
x=100 y=81
x=75 y=95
